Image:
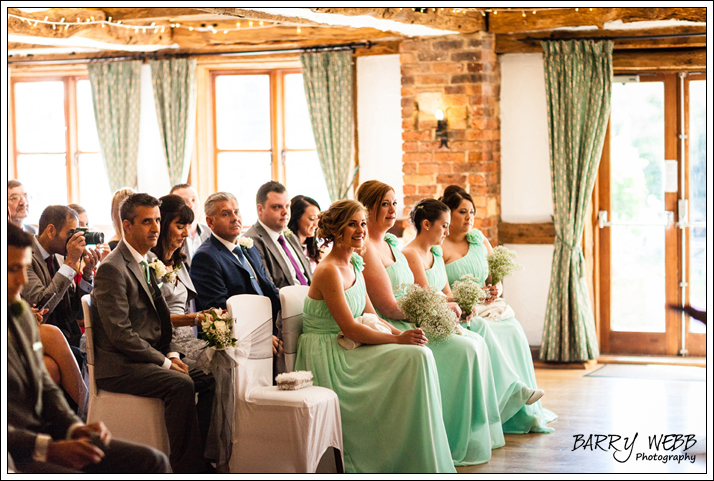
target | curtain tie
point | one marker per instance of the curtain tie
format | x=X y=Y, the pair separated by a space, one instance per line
x=574 y=249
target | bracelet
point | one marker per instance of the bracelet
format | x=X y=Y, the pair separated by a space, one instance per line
x=195 y=320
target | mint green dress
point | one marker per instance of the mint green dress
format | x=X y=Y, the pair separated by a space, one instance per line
x=468 y=393
x=389 y=393
x=506 y=339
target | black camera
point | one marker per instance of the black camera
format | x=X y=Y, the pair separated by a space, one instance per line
x=89 y=237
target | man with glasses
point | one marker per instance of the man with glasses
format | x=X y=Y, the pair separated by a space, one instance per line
x=18 y=205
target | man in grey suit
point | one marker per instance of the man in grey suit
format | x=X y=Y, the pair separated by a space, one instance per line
x=279 y=248
x=56 y=254
x=18 y=205
x=132 y=334
x=43 y=434
x=197 y=232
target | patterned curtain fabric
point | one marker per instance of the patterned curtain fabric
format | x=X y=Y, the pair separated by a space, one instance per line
x=174 y=83
x=327 y=78
x=116 y=95
x=578 y=83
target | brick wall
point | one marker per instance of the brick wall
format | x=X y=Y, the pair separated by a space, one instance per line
x=460 y=75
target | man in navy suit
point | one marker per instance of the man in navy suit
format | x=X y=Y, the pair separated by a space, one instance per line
x=222 y=267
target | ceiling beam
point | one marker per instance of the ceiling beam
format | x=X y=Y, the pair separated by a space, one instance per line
x=506 y=43
x=684 y=60
x=441 y=18
x=511 y=22
x=44 y=33
x=258 y=15
x=152 y=14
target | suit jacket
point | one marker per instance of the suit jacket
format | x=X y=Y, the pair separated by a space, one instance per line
x=217 y=275
x=272 y=258
x=132 y=323
x=34 y=402
x=204 y=233
x=40 y=283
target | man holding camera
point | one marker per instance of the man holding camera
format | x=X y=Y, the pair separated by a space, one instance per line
x=56 y=254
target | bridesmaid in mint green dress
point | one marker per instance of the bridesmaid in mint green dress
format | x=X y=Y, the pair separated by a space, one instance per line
x=465 y=252
x=388 y=388
x=424 y=255
x=468 y=394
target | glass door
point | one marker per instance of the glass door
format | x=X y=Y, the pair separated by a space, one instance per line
x=646 y=244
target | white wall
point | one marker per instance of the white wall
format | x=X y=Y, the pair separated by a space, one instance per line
x=379 y=120
x=525 y=183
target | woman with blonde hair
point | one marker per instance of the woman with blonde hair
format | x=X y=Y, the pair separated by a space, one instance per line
x=384 y=430
x=117 y=199
x=470 y=406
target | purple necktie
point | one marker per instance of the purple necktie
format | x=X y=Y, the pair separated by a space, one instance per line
x=298 y=271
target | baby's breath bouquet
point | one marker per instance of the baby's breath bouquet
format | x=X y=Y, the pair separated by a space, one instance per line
x=502 y=263
x=218 y=329
x=468 y=292
x=428 y=311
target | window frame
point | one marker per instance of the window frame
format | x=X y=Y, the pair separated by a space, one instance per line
x=72 y=152
x=278 y=147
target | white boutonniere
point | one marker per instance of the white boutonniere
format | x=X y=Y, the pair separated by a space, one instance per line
x=246 y=242
x=163 y=273
x=287 y=232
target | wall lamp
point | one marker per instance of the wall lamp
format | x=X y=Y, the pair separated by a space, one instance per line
x=441 y=125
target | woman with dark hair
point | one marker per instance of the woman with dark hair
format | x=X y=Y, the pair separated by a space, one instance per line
x=464 y=252
x=177 y=289
x=431 y=218
x=303 y=223
x=384 y=430
x=470 y=408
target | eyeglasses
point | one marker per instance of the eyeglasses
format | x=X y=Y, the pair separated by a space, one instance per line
x=17 y=197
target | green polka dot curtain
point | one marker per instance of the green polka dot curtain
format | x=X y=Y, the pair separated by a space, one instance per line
x=174 y=83
x=578 y=84
x=327 y=77
x=116 y=95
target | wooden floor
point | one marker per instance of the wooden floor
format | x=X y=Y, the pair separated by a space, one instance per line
x=599 y=405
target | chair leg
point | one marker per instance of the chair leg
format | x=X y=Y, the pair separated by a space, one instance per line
x=338 y=461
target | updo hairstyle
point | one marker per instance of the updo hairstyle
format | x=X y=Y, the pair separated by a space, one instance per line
x=453 y=195
x=427 y=209
x=331 y=223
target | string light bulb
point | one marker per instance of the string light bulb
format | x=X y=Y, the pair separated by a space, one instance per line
x=298 y=30
x=250 y=24
x=261 y=23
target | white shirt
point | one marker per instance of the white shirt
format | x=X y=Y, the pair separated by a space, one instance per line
x=67 y=271
x=139 y=259
x=193 y=243
x=274 y=237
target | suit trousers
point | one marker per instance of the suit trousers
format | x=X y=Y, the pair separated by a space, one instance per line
x=120 y=457
x=177 y=391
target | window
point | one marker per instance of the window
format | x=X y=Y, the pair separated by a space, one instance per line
x=54 y=123
x=262 y=132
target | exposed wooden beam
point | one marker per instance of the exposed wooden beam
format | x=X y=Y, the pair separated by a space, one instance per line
x=514 y=22
x=152 y=14
x=112 y=35
x=538 y=233
x=443 y=19
x=257 y=15
x=512 y=43
x=633 y=61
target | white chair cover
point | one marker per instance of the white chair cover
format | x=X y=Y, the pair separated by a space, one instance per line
x=275 y=431
x=130 y=418
x=292 y=299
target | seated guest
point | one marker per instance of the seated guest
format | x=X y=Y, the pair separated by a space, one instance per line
x=303 y=223
x=133 y=350
x=117 y=199
x=224 y=267
x=388 y=391
x=43 y=434
x=280 y=251
x=197 y=232
x=50 y=274
x=82 y=218
x=102 y=249
x=176 y=216
x=18 y=205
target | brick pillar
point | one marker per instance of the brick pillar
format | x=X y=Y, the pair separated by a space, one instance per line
x=460 y=75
